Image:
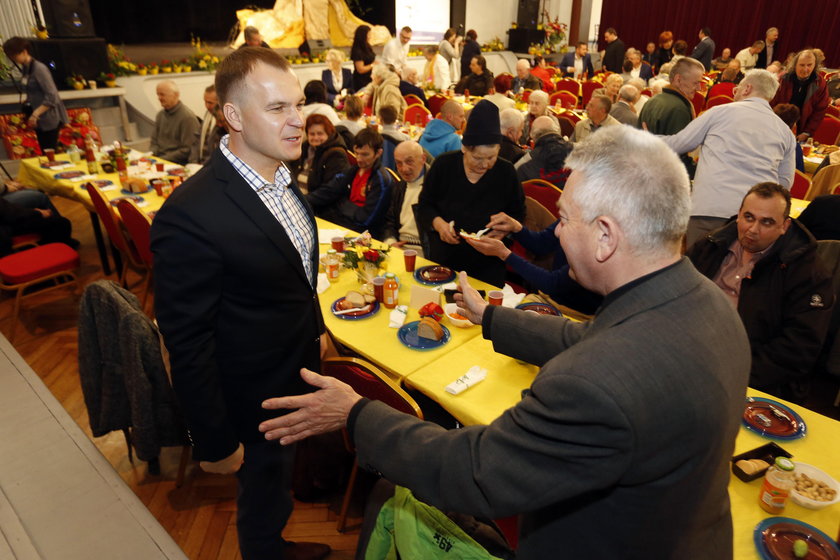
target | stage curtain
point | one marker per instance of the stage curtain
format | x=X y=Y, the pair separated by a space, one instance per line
x=734 y=23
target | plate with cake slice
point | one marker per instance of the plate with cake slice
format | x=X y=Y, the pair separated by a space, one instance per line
x=434 y=275
x=425 y=334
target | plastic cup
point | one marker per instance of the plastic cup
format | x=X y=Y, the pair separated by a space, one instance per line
x=159 y=167
x=50 y=153
x=337 y=243
x=495 y=297
x=379 y=288
x=410 y=259
x=806 y=150
x=158 y=186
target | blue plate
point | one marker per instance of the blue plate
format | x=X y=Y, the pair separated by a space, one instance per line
x=408 y=336
x=68 y=174
x=539 y=307
x=101 y=183
x=434 y=275
x=126 y=191
x=784 y=429
x=774 y=536
x=356 y=315
x=137 y=199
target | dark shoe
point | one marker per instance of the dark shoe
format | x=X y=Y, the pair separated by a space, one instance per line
x=305 y=551
x=73 y=243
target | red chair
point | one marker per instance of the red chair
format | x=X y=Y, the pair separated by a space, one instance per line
x=25 y=241
x=526 y=95
x=648 y=92
x=568 y=84
x=412 y=99
x=586 y=89
x=722 y=88
x=139 y=227
x=371 y=382
x=19 y=271
x=543 y=192
x=833 y=110
x=567 y=126
x=113 y=227
x=718 y=100
x=436 y=102
x=801 y=185
x=417 y=114
x=698 y=101
x=567 y=99
x=829 y=131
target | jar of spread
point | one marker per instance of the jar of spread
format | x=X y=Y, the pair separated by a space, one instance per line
x=778 y=482
x=390 y=291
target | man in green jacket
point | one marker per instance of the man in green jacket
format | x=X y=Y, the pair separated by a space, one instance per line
x=671 y=111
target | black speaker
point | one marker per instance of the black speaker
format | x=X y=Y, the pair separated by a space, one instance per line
x=68 y=57
x=528 y=14
x=520 y=39
x=68 y=18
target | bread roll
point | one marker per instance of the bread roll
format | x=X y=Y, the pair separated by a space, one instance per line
x=429 y=329
x=356 y=298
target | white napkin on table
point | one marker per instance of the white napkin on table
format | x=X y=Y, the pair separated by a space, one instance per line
x=83 y=178
x=323 y=283
x=62 y=166
x=511 y=299
x=397 y=317
x=474 y=375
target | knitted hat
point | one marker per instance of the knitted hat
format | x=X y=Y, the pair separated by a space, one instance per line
x=483 y=127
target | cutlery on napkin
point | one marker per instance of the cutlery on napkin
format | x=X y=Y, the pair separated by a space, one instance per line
x=397 y=317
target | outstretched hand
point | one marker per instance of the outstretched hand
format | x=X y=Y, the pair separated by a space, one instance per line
x=489 y=246
x=325 y=410
x=470 y=303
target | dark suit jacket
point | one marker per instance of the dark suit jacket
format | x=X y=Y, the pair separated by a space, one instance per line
x=346 y=83
x=569 y=60
x=614 y=56
x=237 y=313
x=704 y=52
x=633 y=416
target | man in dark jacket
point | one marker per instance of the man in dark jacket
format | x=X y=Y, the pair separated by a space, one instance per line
x=358 y=197
x=766 y=263
x=806 y=89
x=512 y=123
x=547 y=160
x=400 y=224
x=614 y=53
x=17 y=219
x=705 y=49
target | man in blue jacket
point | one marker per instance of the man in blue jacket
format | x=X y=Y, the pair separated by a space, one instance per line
x=441 y=134
x=577 y=63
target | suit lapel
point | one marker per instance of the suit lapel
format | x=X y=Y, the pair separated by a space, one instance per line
x=249 y=202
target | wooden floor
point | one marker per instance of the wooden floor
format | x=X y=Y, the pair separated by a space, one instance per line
x=200 y=515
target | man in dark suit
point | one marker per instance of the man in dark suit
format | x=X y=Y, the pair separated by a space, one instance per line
x=614 y=53
x=236 y=260
x=705 y=49
x=617 y=421
x=770 y=51
x=578 y=62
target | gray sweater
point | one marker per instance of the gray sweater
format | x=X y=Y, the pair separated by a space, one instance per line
x=41 y=90
x=175 y=132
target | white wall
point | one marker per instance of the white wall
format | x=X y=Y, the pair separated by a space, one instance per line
x=492 y=18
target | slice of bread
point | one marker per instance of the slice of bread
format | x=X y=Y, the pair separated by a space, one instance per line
x=429 y=329
x=356 y=298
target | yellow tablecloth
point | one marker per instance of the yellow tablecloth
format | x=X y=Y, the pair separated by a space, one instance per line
x=32 y=174
x=503 y=388
x=797 y=205
x=372 y=337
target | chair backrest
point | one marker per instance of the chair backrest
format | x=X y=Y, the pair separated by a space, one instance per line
x=371 y=382
x=417 y=114
x=526 y=95
x=825 y=181
x=436 y=102
x=412 y=99
x=698 y=101
x=833 y=110
x=351 y=157
x=568 y=84
x=722 y=88
x=801 y=185
x=543 y=192
x=567 y=127
x=586 y=89
x=111 y=222
x=718 y=100
x=139 y=227
x=829 y=131
x=567 y=99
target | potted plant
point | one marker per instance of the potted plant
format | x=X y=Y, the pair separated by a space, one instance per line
x=165 y=66
x=108 y=79
x=141 y=69
x=76 y=81
x=153 y=69
x=185 y=65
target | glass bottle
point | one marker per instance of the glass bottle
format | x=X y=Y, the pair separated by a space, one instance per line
x=778 y=482
x=331 y=265
x=90 y=155
x=390 y=291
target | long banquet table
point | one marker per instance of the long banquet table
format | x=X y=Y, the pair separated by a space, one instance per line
x=502 y=389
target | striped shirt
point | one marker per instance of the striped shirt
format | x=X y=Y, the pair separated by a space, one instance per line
x=281 y=201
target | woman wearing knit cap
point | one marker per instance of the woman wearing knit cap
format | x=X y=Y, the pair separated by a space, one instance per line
x=467 y=187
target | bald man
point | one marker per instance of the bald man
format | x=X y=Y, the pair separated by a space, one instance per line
x=176 y=127
x=524 y=79
x=400 y=226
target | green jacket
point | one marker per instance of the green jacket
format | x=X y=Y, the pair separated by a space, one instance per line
x=666 y=114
